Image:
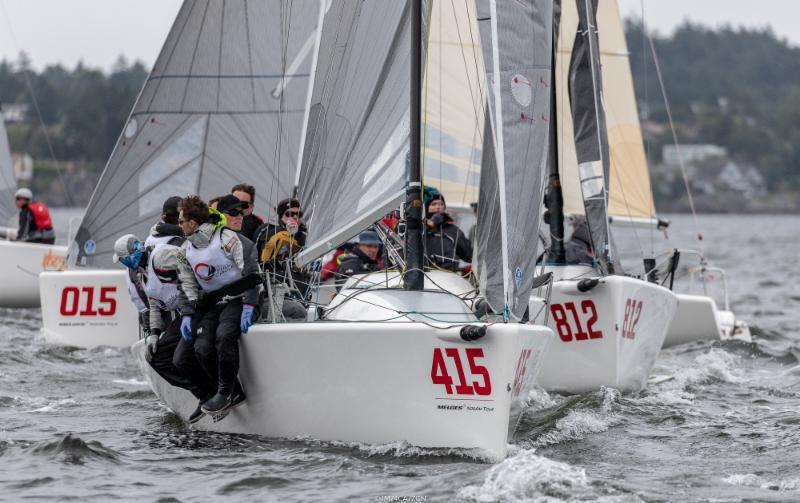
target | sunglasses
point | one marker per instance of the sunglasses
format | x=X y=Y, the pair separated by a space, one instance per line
x=234 y=212
x=289 y=213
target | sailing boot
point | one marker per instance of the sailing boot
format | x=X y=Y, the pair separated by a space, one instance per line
x=217 y=407
x=238 y=396
x=198 y=413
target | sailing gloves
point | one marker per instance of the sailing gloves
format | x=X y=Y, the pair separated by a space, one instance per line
x=152 y=344
x=186 y=328
x=247 y=317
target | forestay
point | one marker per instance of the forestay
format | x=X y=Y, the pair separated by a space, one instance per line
x=517 y=46
x=8 y=183
x=354 y=159
x=630 y=195
x=223 y=104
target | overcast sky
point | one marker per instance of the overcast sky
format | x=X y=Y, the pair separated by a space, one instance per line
x=98 y=31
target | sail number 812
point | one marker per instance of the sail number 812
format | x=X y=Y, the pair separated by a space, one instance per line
x=564 y=325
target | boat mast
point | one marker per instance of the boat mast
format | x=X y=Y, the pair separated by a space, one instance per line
x=554 y=198
x=413 y=278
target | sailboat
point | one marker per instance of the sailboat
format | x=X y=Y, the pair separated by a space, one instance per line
x=211 y=114
x=20 y=263
x=428 y=372
x=610 y=326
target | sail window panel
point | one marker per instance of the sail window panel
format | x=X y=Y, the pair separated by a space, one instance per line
x=174 y=155
x=155 y=132
x=181 y=182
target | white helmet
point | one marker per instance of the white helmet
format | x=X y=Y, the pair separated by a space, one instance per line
x=24 y=193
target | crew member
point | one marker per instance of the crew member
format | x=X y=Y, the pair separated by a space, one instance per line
x=361 y=259
x=445 y=245
x=578 y=249
x=246 y=193
x=278 y=243
x=155 y=274
x=233 y=209
x=166 y=230
x=219 y=283
x=35 y=224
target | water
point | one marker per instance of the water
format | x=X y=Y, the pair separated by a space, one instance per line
x=80 y=424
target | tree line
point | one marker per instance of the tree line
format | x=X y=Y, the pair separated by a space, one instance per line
x=734 y=87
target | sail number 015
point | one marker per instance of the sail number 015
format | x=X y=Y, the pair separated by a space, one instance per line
x=73 y=297
x=479 y=384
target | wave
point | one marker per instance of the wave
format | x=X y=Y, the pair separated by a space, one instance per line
x=753 y=480
x=529 y=477
x=74 y=450
x=553 y=419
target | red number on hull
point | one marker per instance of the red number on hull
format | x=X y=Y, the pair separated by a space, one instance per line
x=440 y=375
x=565 y=329
x=633 y=310
x=72 y=297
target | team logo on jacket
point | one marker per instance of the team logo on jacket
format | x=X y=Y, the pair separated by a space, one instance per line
x=206 y=272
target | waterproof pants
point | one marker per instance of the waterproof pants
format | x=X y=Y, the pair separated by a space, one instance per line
x=174 y=352
x=217 y=343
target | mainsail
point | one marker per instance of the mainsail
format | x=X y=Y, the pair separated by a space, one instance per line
x=223 y=104
x=517 y=46
x=354 y=160
x=8 y=184
x=630 y=195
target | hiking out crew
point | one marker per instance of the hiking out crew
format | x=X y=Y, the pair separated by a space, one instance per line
x=219 y=284
x=153 y=277
x=35 y=224
x=166 y=230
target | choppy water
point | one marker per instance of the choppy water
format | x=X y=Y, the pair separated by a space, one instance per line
x=78 y=424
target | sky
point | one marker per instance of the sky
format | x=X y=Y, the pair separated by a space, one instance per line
x=98 y=31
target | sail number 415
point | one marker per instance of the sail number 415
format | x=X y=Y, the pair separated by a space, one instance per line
x=479 y=384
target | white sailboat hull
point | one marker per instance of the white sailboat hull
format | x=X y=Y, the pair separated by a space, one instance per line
x=20 y=265
x=374 y=383
x=698 y=318
x=87 y=308
x=609 y=336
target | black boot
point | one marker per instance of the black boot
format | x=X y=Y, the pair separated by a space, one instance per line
x=218 y=404
x=198 y=413
x=238 y=396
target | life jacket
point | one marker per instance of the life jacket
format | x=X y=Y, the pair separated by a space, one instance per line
x=165 y=294
x=154 y=241
x=135 y=291
x=212 y=268
x=41 y=216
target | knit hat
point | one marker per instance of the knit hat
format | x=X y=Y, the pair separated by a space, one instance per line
x=285 y=204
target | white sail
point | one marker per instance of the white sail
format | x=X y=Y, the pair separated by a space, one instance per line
x=223 y=105
x=630 y=195
x=8 y=183
x=354 y=160
x=517 y=46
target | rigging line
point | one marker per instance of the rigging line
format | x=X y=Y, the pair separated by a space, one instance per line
x=675 y=141
x=28 y=84
x=647 y=104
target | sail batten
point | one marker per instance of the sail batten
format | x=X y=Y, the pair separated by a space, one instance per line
x=206 y=118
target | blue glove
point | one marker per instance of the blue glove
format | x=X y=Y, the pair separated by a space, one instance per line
x=247 y=317
x=186 y=328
